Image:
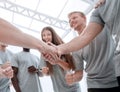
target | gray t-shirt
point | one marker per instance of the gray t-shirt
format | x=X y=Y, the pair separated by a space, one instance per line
x=59 y=82
x=98 y=56
x=108 y=15
x=5 y=82
x=117 y=62
x=28 y=82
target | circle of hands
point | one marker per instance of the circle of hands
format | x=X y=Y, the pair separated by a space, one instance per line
x=54 y=57
x=7 y=71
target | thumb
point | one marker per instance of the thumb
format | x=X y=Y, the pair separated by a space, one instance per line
x=51 y=44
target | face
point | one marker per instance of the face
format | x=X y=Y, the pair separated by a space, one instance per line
x=47 y=36
x=76 y=21
x=3 y=47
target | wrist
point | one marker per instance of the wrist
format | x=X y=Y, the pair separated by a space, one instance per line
x=70 y=71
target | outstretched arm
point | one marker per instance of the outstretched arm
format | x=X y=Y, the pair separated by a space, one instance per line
x=13 y=36
x=92 y=30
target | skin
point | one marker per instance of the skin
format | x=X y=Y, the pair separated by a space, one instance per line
x=6 y=70
x=9 y=34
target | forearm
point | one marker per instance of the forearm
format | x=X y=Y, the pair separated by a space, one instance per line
x=13 y=36
x=82 y=40
x=64 y=65
x=15 y=84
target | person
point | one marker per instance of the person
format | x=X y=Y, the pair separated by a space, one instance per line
x=98 y=55
x=24 y=79
x=58 y=67
x=105 y=16
x=5 y=56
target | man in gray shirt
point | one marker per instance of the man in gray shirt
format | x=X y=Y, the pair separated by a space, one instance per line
x=106 y=16
x=24 y=80
x=98 y=56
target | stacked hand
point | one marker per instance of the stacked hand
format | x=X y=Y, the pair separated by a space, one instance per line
x=52 y=55
x=48 y=48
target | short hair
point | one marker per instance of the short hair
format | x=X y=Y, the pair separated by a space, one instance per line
x=79 y=12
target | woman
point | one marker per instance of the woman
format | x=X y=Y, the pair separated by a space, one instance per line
x=58 y=67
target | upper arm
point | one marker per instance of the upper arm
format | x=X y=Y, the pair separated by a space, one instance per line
x=92 y=30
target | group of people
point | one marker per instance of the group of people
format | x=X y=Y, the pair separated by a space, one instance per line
x=96 y=45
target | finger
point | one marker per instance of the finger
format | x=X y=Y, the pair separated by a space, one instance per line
x=8 y=72
x=5 y=65
x=51 y=44
x=58 y=52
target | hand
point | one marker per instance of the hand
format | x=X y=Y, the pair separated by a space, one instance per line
x=45 y=70
x=69 y=79
x=32 y=69
x=99 y=3
x=6 y=70
x=52 y=59
x=48 y=48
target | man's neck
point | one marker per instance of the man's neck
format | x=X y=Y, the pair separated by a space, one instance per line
x=81 y=29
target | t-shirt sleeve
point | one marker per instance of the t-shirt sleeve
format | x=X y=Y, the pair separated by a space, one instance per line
x=78 y=61
x=95 y=17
